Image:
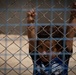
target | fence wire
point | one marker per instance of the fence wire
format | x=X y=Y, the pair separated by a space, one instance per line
x=14 y=46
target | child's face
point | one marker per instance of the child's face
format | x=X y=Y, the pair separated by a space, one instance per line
x=46 y=50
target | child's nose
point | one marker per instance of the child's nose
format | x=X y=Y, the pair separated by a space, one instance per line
x=44 y=53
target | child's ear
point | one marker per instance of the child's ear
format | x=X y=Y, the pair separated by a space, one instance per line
x=74 y=21
x=74 y=5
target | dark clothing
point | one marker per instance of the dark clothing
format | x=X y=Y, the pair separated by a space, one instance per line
x=57 y=66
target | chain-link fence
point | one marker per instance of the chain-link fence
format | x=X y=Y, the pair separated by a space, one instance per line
x=14 y=48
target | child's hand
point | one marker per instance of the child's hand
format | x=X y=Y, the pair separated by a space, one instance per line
x=31 y=16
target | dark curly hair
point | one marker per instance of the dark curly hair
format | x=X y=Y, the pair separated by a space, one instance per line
x=48 y=31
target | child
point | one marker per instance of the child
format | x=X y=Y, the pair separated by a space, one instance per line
x=50 y=57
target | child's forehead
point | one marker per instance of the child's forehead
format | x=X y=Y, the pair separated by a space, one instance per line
x=43 y=41
x=47 y=41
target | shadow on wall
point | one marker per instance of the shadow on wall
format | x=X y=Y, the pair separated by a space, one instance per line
x=14 y=18
x=15 y=30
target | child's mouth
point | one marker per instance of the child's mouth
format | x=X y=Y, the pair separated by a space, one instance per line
x=45 y=56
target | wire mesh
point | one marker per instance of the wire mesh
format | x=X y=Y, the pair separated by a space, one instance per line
x=14 y=45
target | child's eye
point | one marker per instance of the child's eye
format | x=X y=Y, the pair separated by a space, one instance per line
x=48 y=49
x=40 y=46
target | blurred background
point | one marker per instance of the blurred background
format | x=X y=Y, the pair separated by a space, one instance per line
x=14 y=56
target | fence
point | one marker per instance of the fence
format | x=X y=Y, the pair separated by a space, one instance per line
x=14 y=54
